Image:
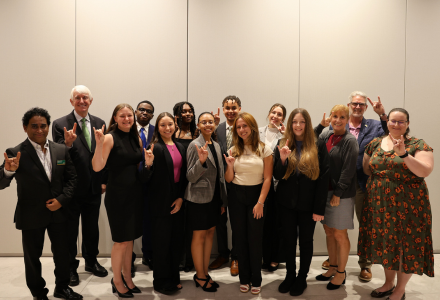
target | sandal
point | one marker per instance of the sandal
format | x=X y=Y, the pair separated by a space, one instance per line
x=244 y=288
x=255 y=290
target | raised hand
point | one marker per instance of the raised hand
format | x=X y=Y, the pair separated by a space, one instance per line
x=149 y=156
x=203 y=153
x=216 y=117
x=230 y=160
x=326 y=121
x=377 y=106
x=99 y=135
x=11 y=164
x=284 y=152
x=398 y=145
x=281 y=128
x=70 y=136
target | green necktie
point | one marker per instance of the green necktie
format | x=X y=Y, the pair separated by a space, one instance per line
x=86 y=133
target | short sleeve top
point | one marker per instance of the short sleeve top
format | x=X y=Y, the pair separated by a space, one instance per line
x=249 y=167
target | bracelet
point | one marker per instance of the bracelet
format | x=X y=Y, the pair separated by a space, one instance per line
x=384 y=114
x=261 y=203
x=405 y=155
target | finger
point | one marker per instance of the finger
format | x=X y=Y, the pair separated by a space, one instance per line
x=103 y=126
x=225 y=157
x=18 y=157
x=287 y=143
x=197 y=148
x=391 y=137
x=94 y=130
x=371 y=102
x=218 y=111
x=401 y=138
x=206 y=144
x=65 y=131
x=6 y=157
x=152 y=147
x=323 y=117
x=49 y=201
x=378 y=98
x=74 y=127
x=212 y=113
x=230 y=152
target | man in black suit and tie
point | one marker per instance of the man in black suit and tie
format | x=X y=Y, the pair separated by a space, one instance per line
x=231 y=107
x=46 y=181
x=76 y=131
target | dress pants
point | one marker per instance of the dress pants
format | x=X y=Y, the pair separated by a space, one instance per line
x=147 y=245
x=358 y=203
x=248 y=231
x=33 y=242
x=296 y=223
x=167 y=249
x=222 y=235
x=188 y=237
x=271 y=231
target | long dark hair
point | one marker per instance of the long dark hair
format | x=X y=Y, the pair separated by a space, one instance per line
x=177 y=111
x=156 y=135
x=403 y=111
x=214 y=133
x=113 y=125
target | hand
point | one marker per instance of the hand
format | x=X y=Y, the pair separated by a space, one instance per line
x=326 y=121
x=99 y=135
x=223 y=209
x=70 y=136
x=11 y=164
x=398 y=145
x=216 y=117
x=377 y=106
x=203 y=153
x=281 y=128
x=103 y=188
x=230 y=160
x=335 y=200
x=317 y=218
x=258 y=211
x=53 y=204
x=149 y=156
x=177 y=204
x=284 y=152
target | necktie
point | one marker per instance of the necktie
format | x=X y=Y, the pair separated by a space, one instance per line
x=86 y=133
x=229 y=138
x=143 y=138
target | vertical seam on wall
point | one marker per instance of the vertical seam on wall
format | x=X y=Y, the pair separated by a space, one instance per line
x=187 y=56
x=75 y=42
x=299 y=48
x=404 y=65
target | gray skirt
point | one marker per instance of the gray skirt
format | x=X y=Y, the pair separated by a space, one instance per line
x=339 y=217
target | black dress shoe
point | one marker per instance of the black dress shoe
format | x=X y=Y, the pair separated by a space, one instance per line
x=147 y=262
x=287 y=284
x=272 y=268
x=41 y=298
x=128 y=294
x=74 y=278
x=298 y=287
x=96 y=269
x=167 y=290
x=66 y=293
x=134 y=290
x=376 y=294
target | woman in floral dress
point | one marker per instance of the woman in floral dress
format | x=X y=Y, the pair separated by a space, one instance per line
x=396 y=222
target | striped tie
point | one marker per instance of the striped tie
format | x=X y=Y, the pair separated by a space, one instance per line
x=229 y=138
x=86 y=133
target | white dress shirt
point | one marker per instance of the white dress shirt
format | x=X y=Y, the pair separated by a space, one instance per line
x=79 y=120
x=145 y=129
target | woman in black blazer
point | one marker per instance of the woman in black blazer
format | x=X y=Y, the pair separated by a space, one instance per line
x=301 y=166
x=165 y=172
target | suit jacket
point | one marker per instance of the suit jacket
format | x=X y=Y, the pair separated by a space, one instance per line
x=34 y=187
x=299 y=191
x=202 y=178
x=89 y=181
x=161 y=189
x=221 y=137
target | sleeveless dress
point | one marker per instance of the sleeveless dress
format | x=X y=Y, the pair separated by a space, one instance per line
x=396 y=214
x=123 y=199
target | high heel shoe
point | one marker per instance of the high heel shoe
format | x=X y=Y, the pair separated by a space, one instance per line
x=213 y=283
x=128 y=294
x=321 y=277
x=134 y=290
x=204 y=288
x=331 y=286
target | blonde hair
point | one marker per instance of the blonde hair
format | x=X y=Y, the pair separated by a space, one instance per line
x=254 y=137
x=343 y=108
x=308 y=164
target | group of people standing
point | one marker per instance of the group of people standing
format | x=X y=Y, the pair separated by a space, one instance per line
x=175 y=183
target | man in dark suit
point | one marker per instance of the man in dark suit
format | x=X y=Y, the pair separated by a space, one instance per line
x=231 y=107
x=46 y=181
x=76 y=131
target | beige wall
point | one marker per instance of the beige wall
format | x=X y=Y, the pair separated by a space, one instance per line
x=310 y=54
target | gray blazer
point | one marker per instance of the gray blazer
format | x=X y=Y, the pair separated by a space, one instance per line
x=201 y=178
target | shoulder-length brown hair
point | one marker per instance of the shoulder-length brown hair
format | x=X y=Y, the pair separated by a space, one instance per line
x=254 y=137
x=112 y=125
x=156 y=134
x=308 y=164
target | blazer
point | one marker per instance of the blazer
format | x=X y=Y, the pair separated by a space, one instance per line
x=161 y=189
x=34 y=187
x=221 y=137
x=202 y=178
x=262 y=131
x=88 y=180
x=299 y=191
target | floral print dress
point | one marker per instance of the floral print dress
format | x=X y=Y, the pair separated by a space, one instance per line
x=396 y=215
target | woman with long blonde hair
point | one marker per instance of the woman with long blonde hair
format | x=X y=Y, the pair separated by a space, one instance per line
x=301 y=165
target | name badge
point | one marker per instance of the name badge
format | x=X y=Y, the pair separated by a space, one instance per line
x=61 y=162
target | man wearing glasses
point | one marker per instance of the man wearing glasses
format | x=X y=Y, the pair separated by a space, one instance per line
x=365 y=130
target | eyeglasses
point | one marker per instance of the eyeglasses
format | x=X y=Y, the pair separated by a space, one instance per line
x=394 y=122
x=204 y=123
x=145 y=110
x=354 y=104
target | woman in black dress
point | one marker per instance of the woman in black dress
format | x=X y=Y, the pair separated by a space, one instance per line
x=166 y=183
x=120 y=151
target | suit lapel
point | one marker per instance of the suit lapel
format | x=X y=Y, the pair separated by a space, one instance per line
x=364 y=126
x=29 y=148
x=79 y=132
x=221 y=133
x=53 y=157
x=93 y=125
x=150 y=134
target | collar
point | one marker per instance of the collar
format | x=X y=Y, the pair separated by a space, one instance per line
x=79 y=118
x=37 y=146
x=144 y=127
x=357 y=127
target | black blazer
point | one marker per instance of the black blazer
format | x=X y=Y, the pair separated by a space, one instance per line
x=301 y=192
x=160 y=180
x=221 y=136
x=88 y=180
x=34 y=187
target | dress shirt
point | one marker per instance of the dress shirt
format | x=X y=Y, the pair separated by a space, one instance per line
x=355 y=130
x=145 y=129
x=79 y=120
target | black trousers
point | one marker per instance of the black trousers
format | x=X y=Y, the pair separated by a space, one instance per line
x=33 y=242
x=222 y=236
x=295 y=222
x=248 y=231
x=147 y=246
x=88 y=208
x=167 y=249
x=188 y=237
x=271 y=231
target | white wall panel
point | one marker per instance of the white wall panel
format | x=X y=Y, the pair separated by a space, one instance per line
x=37 y=68
x=129 y=51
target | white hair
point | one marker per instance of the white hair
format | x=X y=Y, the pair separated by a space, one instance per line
x=357 y=93
x=81 y=89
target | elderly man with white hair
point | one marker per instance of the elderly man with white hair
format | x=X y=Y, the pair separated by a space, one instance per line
x=75 y=130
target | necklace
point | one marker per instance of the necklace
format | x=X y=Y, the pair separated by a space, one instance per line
x=188 y=133
x=336 y=139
